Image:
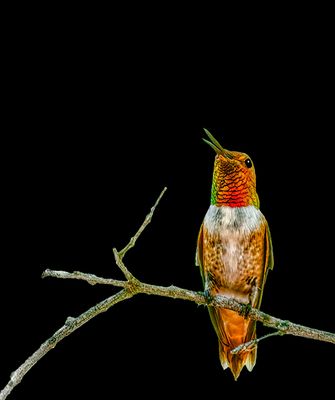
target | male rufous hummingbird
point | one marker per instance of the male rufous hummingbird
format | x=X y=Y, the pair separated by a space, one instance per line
x=234 y=252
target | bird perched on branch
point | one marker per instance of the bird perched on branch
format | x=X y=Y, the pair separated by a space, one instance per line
x=234 y=252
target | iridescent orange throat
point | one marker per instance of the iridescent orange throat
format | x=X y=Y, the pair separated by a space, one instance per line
x=232 y=188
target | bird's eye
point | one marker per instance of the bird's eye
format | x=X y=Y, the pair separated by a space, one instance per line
x=248 y=163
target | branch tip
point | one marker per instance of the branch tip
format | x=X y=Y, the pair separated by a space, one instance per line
x=146 y=222
x=249 y=346
x=45 y=273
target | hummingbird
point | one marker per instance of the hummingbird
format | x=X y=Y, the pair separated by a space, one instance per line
x=234 y=252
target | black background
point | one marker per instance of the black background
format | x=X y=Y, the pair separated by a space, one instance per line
x=96 y=127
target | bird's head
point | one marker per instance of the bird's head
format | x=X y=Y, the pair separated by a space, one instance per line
x=234 y=177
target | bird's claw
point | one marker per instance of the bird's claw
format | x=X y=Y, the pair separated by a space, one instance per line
x=246 y=308
x=209 y=298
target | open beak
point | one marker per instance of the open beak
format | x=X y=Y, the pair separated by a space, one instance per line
x=217 y=146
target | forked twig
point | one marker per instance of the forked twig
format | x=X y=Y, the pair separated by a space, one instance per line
x=132 y=286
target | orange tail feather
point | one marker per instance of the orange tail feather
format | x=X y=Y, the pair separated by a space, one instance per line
x=236 y=362
x=232 y=330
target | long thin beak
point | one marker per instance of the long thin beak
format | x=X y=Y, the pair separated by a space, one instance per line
x=216 y=145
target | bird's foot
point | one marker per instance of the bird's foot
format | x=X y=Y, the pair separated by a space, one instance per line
x=245 y=310
x=209 y=298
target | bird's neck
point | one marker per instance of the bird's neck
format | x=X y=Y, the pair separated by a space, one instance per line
x=233 y=193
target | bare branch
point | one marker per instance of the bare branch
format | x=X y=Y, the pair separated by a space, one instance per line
x=90 y=278
x=71 y=324
x=129 y=276
x=118 y=255
x=146 y=222
x=133 y=286
x=248 y=346
x=280 y=325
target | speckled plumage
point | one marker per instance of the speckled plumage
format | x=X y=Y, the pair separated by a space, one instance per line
x=234 y=252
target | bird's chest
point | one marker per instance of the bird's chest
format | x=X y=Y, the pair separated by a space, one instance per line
x=233 y=247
